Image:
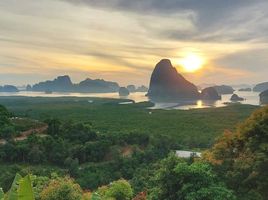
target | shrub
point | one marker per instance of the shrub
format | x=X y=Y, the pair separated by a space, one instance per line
x=62 y=189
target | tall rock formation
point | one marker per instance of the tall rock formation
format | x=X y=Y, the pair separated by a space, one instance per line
x=168 y=85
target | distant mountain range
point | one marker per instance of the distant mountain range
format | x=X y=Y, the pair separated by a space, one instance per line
x=165 y=84
x=64 y=84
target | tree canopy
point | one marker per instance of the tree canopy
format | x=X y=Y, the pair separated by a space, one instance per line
x=177 y=179
x=241 y=157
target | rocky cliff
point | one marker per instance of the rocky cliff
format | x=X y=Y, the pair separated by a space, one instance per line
x=168 y=85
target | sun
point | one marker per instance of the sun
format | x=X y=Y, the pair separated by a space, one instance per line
x=191 y=63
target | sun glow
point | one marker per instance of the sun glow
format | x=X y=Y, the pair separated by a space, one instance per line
x=191 y=63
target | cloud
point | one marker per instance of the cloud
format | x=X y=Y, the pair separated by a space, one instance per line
x=253 y=60
x=166 y=6
x=107 y=39
x=210 y=20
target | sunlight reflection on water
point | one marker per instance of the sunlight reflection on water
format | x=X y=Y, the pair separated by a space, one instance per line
x=251 y=98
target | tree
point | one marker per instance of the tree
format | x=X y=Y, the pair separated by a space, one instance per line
x=39 y=183
x=7 y=132
x=62 y=189
x=79 y=132
x=73 y=165
x=176 y=179
x=53 y=127
x=141 y=178
x=140 y=196
x=96 y=151
x=241 y=157
x=57 y=150
x=4 y=116
x=119 y=190
x=9 y=152
x=35 y=155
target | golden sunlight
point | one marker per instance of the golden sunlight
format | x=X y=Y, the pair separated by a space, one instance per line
x=191 y=63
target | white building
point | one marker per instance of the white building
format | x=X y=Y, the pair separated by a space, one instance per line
x=187 y=154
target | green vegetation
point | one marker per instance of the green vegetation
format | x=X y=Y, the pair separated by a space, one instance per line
x=11 y=127
x=8 y=172
x=119 y=190
x=92 y=158
x=177 y=179
x=21 y=189
x=190 y=128
x=240 y=157
x=62 y=189
x=6 y=127
x=84 y=154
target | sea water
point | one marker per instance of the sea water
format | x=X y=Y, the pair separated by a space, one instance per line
x=251 y=98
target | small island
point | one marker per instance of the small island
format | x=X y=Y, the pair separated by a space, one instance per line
x=245 y=90
x=123 y=92
x=236 y=98
x=224 y=89
x=210 y=93
x=8 y=88
x=131 y=88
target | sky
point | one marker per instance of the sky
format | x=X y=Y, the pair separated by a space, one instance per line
x=122 y=40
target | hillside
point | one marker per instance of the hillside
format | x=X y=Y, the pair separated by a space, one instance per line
x=129 y=164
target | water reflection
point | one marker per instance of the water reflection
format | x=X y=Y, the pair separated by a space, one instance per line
x=251 y=98
x=185 y=105
x=199 y=104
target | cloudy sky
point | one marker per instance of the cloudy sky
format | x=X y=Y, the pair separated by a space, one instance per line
x=122 y=40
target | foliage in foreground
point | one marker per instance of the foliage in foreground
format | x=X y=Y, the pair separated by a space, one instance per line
x=62 y=189
x=57 y=188
x=118 y=190
x=177 y=179
x=241 y=158
x=21 y=189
